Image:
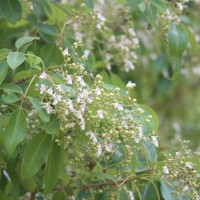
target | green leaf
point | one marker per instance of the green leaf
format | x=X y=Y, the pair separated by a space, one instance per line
x=15 y=59
x=9 y=97
x=104 y=176
x=48 y=29
x=11 y=87
x=150 y=151
x=3 y=71
x=142 y=6
x=52 y=168
x=117 y=81
x=177 y=39
x=15 y=131
x=53 y=126
x=151 y=112
x=40 y=111
x=11 y=10
x=177 y=70
x=22 y=41
x=159 y=4
x=4 y=53
x=191 y=38
x=122 y=195
x=166 y=191
x=51 y=55
x=35 y=154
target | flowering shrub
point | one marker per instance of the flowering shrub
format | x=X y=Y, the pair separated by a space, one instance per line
x=70 y=128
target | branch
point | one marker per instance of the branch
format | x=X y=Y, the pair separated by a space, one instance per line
x=112 y=183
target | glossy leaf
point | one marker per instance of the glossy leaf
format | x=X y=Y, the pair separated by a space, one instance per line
x=177 y=39
x=40 y=111
x=3 y=71
x=52 y=168
x=11 y=87
x=52 y=127
x=11 y=10
x=35 y=154
x=15 y=131
x=22 y=41
x=15 y=59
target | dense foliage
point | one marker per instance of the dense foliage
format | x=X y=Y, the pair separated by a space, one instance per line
x=70 y=124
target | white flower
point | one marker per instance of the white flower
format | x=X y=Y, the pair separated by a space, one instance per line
x=189 y=165
x=131 y=196
x=82 y=124
x=185 y=188
x=118 y=106
x=43 y=89
x=59 y=88
x=83 y=107
x=101 y=17
x=30 y=5
x=154 y=140
x=92 y=136
x=97 y=91
x=165 y=170
x=78 y=36
x=108 y=147
x=70 y=105
x=130 y=85
x=99 y=150
x=180 y=6
x=100 y=114
x=70 y=125
x=43 y=75
x=86 y=52
x=48 y=108
x=69 y=79
x=140 y=133
x=56 y=99
x=66 y=52
x=79 y=114
x=81 y=81
x=178 y=154
x=50 y=91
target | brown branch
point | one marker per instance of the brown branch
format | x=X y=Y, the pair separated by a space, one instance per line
x=22 y=80
x=112 y=183
x=32 y=196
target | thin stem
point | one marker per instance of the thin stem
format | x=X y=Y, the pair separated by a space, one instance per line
x=28 y=89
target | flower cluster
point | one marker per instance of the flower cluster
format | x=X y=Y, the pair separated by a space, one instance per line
x=96 y=117
x=171 y=15
x=119 y=50
x=181 y=171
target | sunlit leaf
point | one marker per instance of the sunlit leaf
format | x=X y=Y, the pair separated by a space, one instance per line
x=11 y=87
